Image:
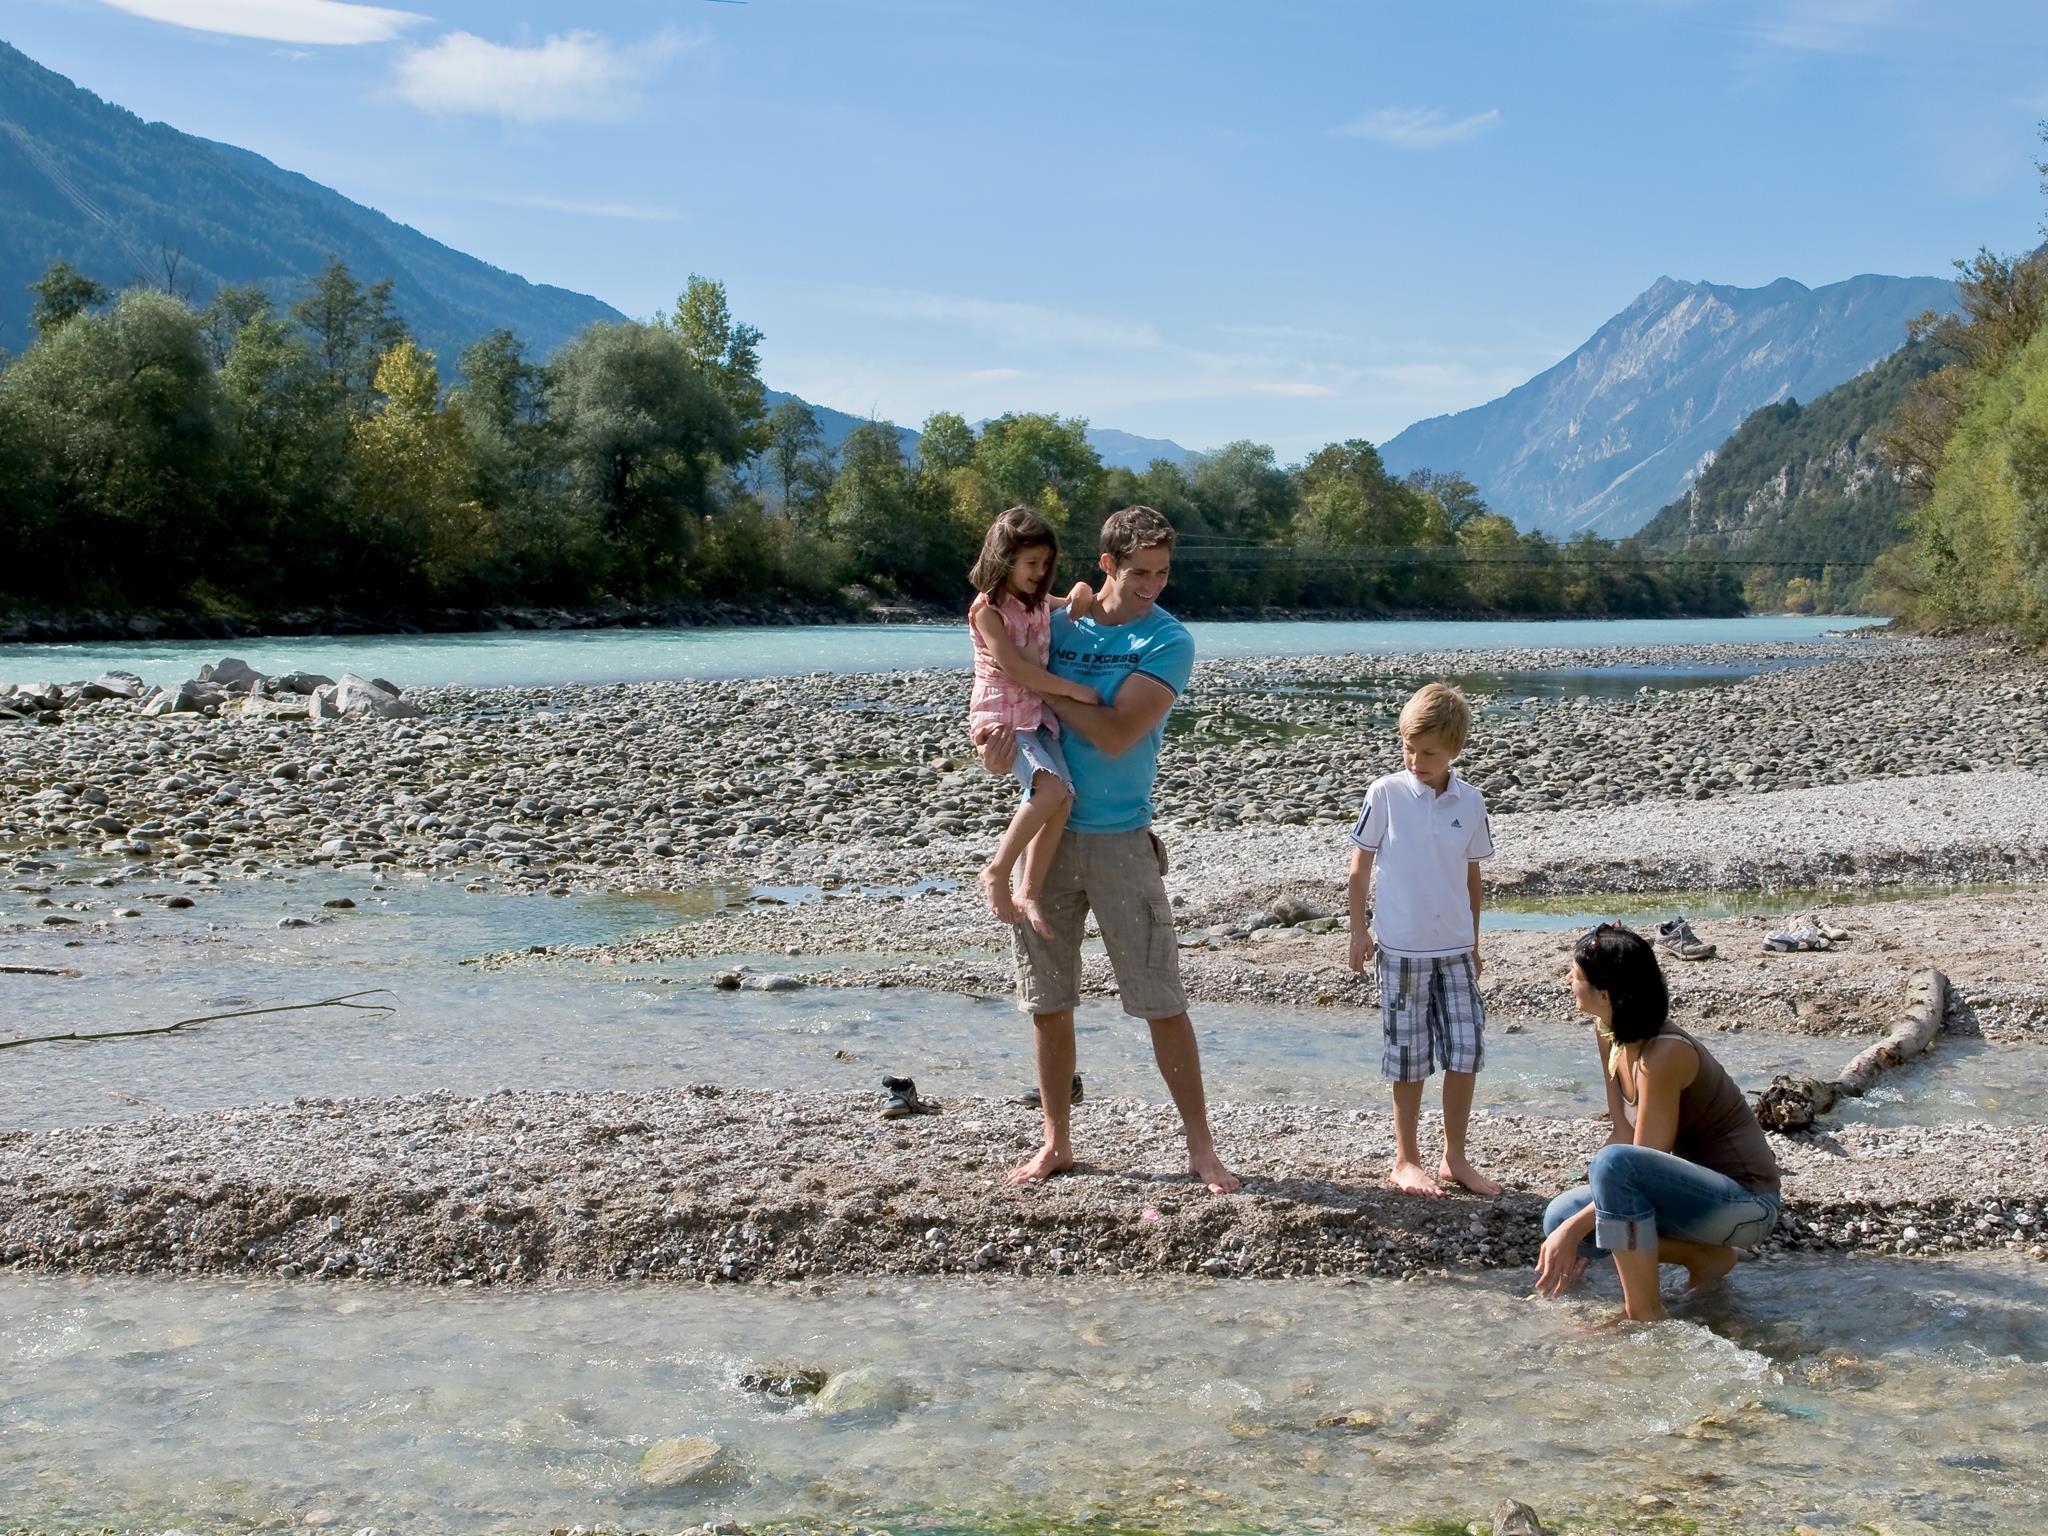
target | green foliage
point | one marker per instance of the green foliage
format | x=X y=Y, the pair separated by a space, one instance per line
x=642 y=434
x=248 y=458
x=1973 y=441
x=62 y=293
x=1805 y=492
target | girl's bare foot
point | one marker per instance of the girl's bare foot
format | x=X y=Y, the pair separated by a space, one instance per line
x=1049 y=1161
x=1455 y=1170
x=1028 y=910
x=1208 y=1167
x=1412 y=1179
x=1704 y=1274
x=995 y=890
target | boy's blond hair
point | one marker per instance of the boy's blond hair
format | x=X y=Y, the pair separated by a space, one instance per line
x=1439 y=710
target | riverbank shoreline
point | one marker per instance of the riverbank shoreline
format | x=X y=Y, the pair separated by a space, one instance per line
x=712 y=1185
x=51 y=627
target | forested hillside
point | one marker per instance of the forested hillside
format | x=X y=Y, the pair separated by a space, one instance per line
x=1619 y=428
x=1805 y=484
x=127 y=202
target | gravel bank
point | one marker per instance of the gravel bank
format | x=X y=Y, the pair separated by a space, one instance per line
x=849 y=781
x=704 y=1184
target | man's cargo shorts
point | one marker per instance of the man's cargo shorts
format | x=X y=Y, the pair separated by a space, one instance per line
x=1121 y=877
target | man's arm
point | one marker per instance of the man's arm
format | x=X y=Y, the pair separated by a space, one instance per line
x=1114 y=728
x=1021 y=669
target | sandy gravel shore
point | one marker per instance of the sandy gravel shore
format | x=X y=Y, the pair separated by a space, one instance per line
x=743 y=1186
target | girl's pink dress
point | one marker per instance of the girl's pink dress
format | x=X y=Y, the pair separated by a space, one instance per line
x=996 y=700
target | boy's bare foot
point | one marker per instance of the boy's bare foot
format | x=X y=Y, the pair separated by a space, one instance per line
x=1412 y=1179
x=1705 y=1274
x=1455 y=1170
x=1208 y=1167
x=1048 y=1162
x=995 y=890
x=1028 y=910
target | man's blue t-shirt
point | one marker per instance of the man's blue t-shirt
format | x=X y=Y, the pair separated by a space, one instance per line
x=1114 y=794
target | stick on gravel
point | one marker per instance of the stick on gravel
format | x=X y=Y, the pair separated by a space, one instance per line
x=346 y=1000
x=1790 y=1103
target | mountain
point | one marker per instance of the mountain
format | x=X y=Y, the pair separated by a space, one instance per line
x=92 y=183
x=1801 y=482
x=1624 y=424
x=1125 y=450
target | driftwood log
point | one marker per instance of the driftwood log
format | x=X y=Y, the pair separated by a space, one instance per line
x=1791 y=1103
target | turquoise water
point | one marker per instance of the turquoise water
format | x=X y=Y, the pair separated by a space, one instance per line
x=1884 y=1395
x=528 y=659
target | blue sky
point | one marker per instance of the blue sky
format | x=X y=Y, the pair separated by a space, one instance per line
x=1290 y=220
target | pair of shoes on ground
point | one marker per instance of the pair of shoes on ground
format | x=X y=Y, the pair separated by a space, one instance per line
x=1032 y=1099
x=901 y=1101
x=1677 y=937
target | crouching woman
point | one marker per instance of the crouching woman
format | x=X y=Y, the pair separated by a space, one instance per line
x=1686 y=1177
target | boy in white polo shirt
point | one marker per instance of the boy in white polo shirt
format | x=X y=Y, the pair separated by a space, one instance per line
x=1426 y=829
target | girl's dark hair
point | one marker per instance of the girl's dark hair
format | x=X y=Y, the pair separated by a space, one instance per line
x=1013 y=532
x=1621 y=963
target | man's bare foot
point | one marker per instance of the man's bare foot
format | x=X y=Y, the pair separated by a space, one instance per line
x=1028 y=910
x=1710 y=1271
x=1455 y=1170
x=995 y=890
x=1048 y=1162
x=1208 y=1167
x=1412 y=1179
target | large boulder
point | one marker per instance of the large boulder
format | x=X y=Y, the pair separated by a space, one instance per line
x=113 y=685
x=231 y=675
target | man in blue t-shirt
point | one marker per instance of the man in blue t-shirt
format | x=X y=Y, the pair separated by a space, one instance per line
x=1138 y=658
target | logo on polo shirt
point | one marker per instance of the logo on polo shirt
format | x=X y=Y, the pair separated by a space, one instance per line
x=1457 y=823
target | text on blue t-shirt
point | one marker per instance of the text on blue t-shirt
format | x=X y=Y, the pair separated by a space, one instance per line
x=1114 y=794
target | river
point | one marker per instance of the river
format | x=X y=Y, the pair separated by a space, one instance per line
x=541 y=658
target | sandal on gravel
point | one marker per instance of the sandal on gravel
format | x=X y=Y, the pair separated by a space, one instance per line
x=1031 y=1100
x=902 y=1101
x=1678 y=937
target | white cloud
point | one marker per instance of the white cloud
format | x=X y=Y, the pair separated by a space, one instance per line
x=279 y=21
x=1033 y=324
x=1285 y=391
x=576 y=76
x=1826 y=26
x=639 y=213
x=1419 y=127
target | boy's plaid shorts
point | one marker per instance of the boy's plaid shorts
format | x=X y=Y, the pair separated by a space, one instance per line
x=1432 y=1017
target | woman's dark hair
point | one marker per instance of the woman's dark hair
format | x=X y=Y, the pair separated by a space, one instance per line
x=1014 y=531
x=1621 y=963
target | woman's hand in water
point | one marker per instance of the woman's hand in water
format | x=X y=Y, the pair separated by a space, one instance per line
x=1559 y=1264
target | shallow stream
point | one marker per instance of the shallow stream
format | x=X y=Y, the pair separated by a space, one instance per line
x=547 y=1025
x=1881 y=1394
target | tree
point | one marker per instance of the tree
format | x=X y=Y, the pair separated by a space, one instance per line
x=121 y=425
x=350 y=326
x=868 y=506
x=797 y=466
x=62 y=293
x=420 y=530
x=642 y=434
x=946 y=442
x=1041 y=461
x=728 y=353
x=230 y=309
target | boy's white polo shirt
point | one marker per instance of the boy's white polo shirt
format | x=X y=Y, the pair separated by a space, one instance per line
x=1422 y=843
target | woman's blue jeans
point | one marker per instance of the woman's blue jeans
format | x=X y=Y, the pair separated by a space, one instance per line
x=1638 y=1193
